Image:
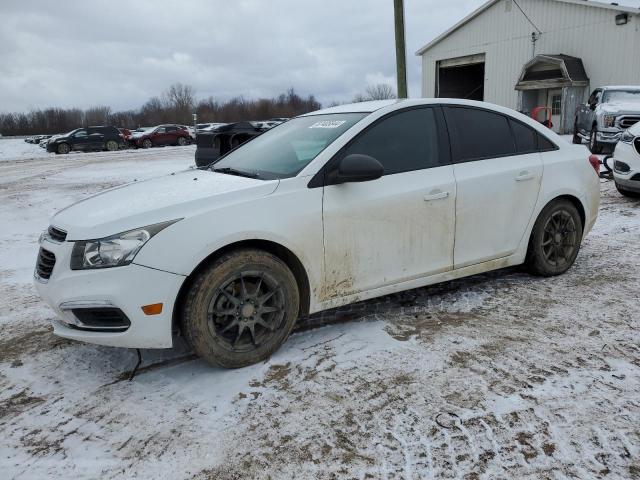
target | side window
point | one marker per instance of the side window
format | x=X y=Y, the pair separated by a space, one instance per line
x=80 y=133
x=545 y=145
x=172 y=129
x=479 y=134
x=160 y=130
x=525 y=137
x=598 y=96
x=404 y=142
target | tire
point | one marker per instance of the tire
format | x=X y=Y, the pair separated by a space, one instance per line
x=112 y=145
x=63 y=149
x=594 y=146
x=240 y=309
x=577 y=139
x=549 y=254
x=182 y=141
x=625 y=192
x=146 y=143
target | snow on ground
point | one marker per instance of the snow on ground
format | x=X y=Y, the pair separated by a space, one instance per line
x=501 y=375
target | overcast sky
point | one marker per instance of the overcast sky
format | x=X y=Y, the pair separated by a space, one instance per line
x=119 y=53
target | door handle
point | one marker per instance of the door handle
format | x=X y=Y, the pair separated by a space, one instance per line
x=435 y=196
x=525 y=175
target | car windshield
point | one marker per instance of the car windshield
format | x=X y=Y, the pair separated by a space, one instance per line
x=632 y=96
x=285 y=150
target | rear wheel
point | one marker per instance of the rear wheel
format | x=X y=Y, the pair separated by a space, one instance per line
x=112 y=145
x=63 y=148
x=239 y=310
x=555 y=239
x=627 y=193
x=146 y=143
x=594 y=145
x=182 y=141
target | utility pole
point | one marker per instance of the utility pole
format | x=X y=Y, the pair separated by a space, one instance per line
x=401 y=54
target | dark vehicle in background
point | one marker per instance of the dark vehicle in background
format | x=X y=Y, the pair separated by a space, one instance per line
x=87 y=139
x=213 y=144
x=160 y=136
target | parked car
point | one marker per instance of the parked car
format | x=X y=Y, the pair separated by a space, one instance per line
x=208 y=127
x=191 y=130
x=608 y=112
x=210 y=145
x=626 y=163
x=87 y=139
x=160 y=136
x=333 y=207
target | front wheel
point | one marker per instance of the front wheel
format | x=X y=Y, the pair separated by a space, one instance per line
x=146 y=143
x=63 y=148
x=594 y=146
x=240 y=309
x=577 y=139
x=627 y=193
x=555 y=239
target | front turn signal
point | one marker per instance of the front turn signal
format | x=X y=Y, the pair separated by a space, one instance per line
x=153 y=309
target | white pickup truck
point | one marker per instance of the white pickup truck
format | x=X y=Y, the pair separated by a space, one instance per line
x=608 y=112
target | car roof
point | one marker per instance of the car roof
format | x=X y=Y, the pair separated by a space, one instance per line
x=621 y=87
x=360 y=107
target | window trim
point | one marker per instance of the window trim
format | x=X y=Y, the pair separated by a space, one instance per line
x=453 y=134
x=320 y=178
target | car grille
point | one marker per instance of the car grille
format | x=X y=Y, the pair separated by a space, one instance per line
x=46 y=262
x=637 y=144
x=57 y=235
x=626 y=122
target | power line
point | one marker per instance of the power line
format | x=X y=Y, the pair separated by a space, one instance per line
x=527 y=17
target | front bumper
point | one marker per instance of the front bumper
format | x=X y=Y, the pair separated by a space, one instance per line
x=626 y=155
x=125 y=288
x=609 y=136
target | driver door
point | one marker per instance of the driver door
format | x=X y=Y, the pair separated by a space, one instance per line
x=81 y=140
x=401 y=226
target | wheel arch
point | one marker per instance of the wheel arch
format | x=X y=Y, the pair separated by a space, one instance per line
x=280 y=251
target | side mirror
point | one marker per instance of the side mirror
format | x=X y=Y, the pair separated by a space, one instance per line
x=592 y=106
x=357 y=168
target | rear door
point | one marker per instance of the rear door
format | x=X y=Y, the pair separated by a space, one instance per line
x=498 y=180
x=398 y=227
x=96 y=139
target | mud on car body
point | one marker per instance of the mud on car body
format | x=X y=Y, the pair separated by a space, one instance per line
x=332 y=207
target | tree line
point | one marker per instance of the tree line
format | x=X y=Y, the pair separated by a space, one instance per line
x=175 y=105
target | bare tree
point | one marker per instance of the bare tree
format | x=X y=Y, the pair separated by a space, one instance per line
x=97 y=115
x=381 y=91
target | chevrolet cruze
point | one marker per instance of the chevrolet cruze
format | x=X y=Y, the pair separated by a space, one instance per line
x=332 y=207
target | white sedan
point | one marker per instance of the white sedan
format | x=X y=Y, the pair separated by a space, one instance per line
x=626 y=162
x=332 y=207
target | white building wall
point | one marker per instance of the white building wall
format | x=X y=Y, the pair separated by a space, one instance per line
x=610 y=53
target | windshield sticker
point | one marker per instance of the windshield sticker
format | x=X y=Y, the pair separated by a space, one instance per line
x=328 y=124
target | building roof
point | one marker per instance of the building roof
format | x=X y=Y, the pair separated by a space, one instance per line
x=490 y=3
x=574 y=67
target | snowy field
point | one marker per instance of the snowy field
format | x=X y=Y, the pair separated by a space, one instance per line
x=501 y=375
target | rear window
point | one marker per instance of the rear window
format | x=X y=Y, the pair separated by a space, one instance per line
x=479 y=134
x=525 y=137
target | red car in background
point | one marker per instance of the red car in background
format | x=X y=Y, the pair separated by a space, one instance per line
x=160 y=136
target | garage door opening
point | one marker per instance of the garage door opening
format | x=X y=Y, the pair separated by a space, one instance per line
x=461 y=78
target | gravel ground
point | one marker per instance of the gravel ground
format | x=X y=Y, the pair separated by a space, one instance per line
x=501 y=375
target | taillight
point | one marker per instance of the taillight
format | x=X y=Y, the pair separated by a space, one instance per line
x=595 y=163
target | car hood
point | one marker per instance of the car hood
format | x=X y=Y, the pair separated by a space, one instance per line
x=620 y=107
x=170 y=197
x=635 y=129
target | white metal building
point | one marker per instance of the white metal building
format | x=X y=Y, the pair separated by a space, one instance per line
x=528 y=53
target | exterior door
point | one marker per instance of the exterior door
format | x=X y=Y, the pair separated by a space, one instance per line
x=498 y=181
x=81 y=140
x=398 y=227
x=554 y=102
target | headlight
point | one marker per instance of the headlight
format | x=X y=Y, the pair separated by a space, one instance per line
x=113 y=251
x=608 y=121
x=627 y=137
